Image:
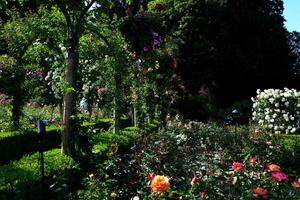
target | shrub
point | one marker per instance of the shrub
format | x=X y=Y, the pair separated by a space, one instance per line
x=277 y=110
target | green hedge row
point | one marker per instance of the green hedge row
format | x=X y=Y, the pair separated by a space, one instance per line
x=16 y=146
x=104 y=142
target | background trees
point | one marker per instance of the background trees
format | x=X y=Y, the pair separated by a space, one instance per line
x=232 y=43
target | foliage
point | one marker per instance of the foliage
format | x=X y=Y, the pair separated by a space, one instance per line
x=25 y=173
x=26 y=142
x=277 y=110
x=203 y=151
x=220 y=53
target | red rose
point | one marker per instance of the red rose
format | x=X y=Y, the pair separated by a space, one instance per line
x=194 y=180
x=151 y=176
x=203 y=195
x=261 y=192
x=238 y=166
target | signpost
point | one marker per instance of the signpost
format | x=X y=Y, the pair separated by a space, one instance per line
x=41 y=131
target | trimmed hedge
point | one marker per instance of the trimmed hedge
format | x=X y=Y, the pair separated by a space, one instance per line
x=16 y=146
x=104 y=141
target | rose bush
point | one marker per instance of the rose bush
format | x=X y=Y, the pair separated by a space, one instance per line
x=211 y=162
x=277 y=110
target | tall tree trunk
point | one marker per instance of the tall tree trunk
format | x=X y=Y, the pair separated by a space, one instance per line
x=117 y=103
x=69 y=110
x=16 y=111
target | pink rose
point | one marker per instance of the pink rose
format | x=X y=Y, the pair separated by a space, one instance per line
x=279 y=176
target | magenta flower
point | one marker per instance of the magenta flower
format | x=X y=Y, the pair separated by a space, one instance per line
x=156 y=42
x=279 y=176
x=146 y=49
x=155 y=34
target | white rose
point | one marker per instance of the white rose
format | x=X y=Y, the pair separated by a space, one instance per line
x=292 y=118
x=283 y=99
x=270 y=126
x=257 y=91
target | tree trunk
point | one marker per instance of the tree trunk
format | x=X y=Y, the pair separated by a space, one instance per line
x=69 y=107
x=16 y=111
x=117 y=103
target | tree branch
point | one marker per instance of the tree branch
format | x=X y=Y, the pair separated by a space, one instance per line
x=85 y=10
x=63 y=9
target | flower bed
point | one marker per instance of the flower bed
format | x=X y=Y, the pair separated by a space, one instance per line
x=198 y=161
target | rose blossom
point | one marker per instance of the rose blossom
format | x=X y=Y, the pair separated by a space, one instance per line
x=160 y=184
x=261 y=192
x=238 y=166
x=296 y=184
x=194 y=180
x=151 y=176
x=273 y=168
x=279 y=176
x=203 y=195
x=252 y=160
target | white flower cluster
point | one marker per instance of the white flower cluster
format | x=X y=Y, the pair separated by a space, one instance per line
x=277 y=110
x=181 y=138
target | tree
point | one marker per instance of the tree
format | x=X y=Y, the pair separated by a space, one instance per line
x=75 y=14
x=224 y=44
x=294 y=42
x=17 y=38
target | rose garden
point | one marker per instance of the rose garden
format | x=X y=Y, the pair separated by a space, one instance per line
x=148 y=99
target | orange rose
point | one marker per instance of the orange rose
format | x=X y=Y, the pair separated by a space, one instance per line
x=261 y=192
x=160 y=184
x=296 y=184
x=238 y=166
x=252 y=160
x=273 y=168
